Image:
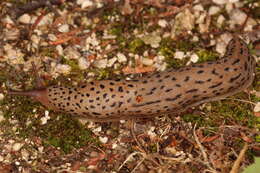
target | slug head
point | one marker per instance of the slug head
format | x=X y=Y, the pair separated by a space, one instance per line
x=40 y=95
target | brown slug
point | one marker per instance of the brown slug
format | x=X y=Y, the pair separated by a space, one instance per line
x=170 y=91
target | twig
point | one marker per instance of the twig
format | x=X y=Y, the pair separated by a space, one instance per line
x=129 y=158
x=240 y=157
x=204 y=154
x=245 y=101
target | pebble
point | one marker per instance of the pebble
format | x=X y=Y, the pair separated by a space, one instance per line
x=102 y=63
x=111 y=61
x=147 y=61
x=83 y=63
x=17 y=146
x=2 y=118
x=25 y=19
x=220 y=20
x=237 y=16
x=213 y=10
x=121 y=57
x=179 y=55
x=194 y=58
x=63 y=68
x=85 y=3
x=257 y=107
x=162 y=23
x=103 y=139
x=1 y=96
x=64 y=28
x=220 y=2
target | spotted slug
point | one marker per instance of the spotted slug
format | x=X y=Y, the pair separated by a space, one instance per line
x=170 y=91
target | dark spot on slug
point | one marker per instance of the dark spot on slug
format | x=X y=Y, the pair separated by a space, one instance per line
x=234 y=78
x=218 y=84
x=192 y=90
x=200 y=71
x=236 y=61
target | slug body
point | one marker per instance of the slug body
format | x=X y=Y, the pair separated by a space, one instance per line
x=170 y=91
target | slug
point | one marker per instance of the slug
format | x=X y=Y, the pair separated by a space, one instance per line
x=170 y=91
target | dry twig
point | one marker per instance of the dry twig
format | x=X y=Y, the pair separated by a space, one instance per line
x=240 y=157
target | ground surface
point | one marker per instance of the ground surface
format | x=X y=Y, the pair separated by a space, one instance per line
x=71 y=42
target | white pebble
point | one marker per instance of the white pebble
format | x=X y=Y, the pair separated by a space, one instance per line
x=63 y=68
x=213 y=10
x=257 y=107
x=45 y=118
x=2 y=118
x=237 y=16
x=1 y=158
x=98 y=129
x=220 y=20
x=179 y=55
x=121 y=57
x=194 y=58
x=83 y=63
x=102 y=63
x=52 y=37
x=1 y=96
x=103 y=139
x=59 y=48
x=25 y=19
x=198 y=7
x=64 y=28
x=85 y=3
x=219 y=2
x=111 y=61
x=147 y=61
x=17 y=146
x=162 y=23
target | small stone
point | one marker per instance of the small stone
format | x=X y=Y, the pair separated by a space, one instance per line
x=220 y=2
x=147 y=61
x=213 y=10
x=85 y=3
x=111 y=61
x=1 y=158
x=71 y=53
x=83 y=63
x=59 y=48
x=162 y=23
x=17 y=146
x=25 y=19
x=45 y=118
x=98 y=129
x=2 y=118
x=237 y=16
x=63 y=68
x=102 y=63
x=179 y=55
x=220 y=20
x=52 y=37
x=1 y=96
x=152 y=39
x=257 y=107
x=198 y=7
x=194 y=58
x=103 y=139
x=121 y=57
x=64 y=28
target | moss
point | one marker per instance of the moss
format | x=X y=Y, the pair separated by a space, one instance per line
x=61 y=131
x=66 y=133
x=136 y=45
x=198 y=119
x=206 y=55
x=185 y=45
